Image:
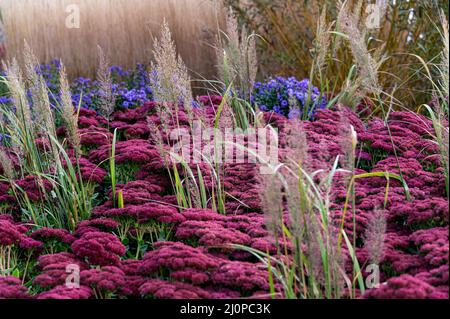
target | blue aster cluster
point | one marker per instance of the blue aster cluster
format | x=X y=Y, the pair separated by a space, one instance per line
x=131 y=88
x=4 y=98
x=289 y=97
x=50 y=72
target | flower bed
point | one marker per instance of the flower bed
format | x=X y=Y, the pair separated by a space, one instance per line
x=162 y=251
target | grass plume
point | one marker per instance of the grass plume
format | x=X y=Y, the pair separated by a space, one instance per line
x=104 y=78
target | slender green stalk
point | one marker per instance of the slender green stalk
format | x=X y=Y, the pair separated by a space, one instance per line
x=112 y=167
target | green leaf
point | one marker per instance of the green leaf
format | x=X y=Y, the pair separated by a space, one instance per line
x=16 y=273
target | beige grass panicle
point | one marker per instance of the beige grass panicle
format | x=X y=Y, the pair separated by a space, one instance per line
x=67 y=110
x=104 y=78
x=6 y=164
x=375 y=236
x=445 y=59
x=368 y=64
x=170 y=80
x=271 y=196
x=236 y=55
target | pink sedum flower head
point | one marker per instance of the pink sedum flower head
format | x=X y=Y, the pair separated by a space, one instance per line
x=99 y=248
x=11 y=288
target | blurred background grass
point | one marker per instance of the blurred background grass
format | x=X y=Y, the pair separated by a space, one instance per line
x=123 y=28
x=407 y=28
